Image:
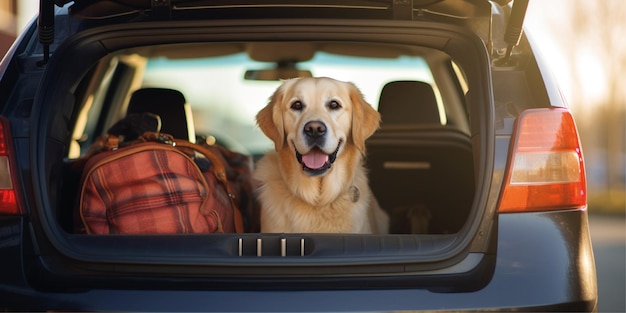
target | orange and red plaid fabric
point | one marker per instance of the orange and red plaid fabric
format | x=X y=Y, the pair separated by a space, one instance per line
x=151 y=188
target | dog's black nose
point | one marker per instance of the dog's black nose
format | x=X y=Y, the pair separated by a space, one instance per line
x=315 y=129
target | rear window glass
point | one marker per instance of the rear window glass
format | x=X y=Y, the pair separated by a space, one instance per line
x=224 y=103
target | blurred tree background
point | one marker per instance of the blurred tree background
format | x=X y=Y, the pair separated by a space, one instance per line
x=585 y=45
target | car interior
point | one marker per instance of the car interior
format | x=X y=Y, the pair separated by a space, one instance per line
x=212 y=92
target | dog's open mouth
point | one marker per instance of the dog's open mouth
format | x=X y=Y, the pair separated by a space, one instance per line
x=316 y=162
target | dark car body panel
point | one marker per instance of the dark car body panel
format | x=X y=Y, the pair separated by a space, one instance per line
x=520 y=279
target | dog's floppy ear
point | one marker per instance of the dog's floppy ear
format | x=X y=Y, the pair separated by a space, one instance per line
x=365 y=120
x=270 y=119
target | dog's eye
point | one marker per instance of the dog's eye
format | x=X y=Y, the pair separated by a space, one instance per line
x=297 y=106
x=334 y=105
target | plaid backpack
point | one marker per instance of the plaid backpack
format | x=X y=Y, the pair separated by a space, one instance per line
x=156 y=184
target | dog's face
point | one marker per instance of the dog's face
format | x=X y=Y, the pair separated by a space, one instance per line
x=317 y=119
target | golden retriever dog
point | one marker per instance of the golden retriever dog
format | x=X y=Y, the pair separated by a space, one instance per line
x=315 y=181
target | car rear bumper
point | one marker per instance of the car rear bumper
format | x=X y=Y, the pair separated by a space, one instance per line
x=544 y=263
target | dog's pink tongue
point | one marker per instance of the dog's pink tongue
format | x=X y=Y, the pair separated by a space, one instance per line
x=315 y=159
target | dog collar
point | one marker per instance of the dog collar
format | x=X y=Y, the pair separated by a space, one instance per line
x=354 y=193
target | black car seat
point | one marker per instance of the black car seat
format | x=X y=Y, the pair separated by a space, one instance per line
x=417 y=165
x=407 y=104
x=170 y=105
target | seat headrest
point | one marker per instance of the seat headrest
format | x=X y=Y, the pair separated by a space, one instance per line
x=170 y=105
x=408 y=103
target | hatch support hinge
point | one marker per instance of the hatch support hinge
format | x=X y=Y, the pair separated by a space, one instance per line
x=161 y=9
x=402 y=9
x=514 y=29
x=45 y=26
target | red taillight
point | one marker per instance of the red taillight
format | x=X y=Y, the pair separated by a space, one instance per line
x=546 y=169
x=8 y=199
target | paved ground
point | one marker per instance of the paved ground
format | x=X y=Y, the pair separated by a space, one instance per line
x=608 y=236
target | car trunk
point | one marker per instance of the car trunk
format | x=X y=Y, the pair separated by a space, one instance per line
x=454 y=252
